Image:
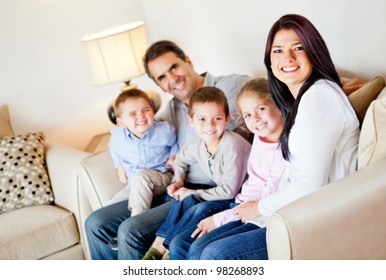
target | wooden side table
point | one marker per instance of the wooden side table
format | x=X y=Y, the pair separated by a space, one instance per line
x=99 y=143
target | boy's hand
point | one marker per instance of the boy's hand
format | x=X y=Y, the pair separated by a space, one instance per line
x=247 y=211
x=172 y=188
x=170 y=162
x=122 y=174
x=203 y=227
x=181 y=193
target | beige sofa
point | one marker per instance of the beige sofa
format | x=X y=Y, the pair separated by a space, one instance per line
x=98 y=182
x=44 y=231
x=344 y=220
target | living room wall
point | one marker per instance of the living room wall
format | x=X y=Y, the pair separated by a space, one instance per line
x=46 y=80
x=228 y=36
x=45 y=77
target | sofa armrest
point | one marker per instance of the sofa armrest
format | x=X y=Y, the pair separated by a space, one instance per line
x=98 y=179
x=344 y=220
x=62 y=163
x=98 y=182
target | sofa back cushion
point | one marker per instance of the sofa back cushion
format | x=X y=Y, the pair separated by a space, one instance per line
x=362 y=97
x=372 y=140
x=5 y=124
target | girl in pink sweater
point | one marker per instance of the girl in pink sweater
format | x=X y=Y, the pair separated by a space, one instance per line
x=266 y=163
x=265 y=167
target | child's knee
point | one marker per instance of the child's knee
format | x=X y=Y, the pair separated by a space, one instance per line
x=138 y=177
x=212 y=252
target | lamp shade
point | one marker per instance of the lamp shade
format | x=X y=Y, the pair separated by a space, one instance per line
x=115 y=54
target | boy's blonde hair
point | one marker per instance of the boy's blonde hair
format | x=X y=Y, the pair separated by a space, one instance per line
x=130 y=94
x=208 y=94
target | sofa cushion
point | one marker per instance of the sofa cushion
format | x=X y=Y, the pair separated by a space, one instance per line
x=362 y=97
x=372 y=140
x=36 y=232
x=5 y=124
x=23 y=176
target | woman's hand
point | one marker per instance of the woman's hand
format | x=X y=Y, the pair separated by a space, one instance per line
x=247 y=211
x=204 y=226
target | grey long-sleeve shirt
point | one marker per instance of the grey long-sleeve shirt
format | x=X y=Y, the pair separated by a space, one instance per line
x=175 y=113
x=227 y=167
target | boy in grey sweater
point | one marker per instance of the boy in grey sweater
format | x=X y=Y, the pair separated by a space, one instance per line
x=221 y=154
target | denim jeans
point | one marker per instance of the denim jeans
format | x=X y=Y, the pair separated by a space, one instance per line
x=135 y=234
x=102 y=226
x=188 y=213
x=232 y=241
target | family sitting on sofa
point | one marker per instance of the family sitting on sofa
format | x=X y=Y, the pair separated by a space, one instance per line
x=215 y=194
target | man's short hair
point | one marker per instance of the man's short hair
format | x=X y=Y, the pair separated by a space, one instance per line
x=159 y=48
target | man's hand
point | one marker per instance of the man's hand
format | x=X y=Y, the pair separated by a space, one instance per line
x=204 y=226
x=351 y=85
x=247 y=211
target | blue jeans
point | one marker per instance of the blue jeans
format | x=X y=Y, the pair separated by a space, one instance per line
x=182 y=240
x=135 y=234
x=232 y=241
x=188 y=213
x=183 y=246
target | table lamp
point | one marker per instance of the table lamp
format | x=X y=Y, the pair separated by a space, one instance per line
x=115 y=55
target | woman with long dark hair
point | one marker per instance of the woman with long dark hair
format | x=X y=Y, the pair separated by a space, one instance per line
x=319 y=139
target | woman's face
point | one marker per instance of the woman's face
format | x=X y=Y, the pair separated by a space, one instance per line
x=289 y=61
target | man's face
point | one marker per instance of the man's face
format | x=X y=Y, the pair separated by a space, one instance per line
x=175 y=76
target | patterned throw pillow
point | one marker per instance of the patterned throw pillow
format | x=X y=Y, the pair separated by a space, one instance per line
x=23 y=175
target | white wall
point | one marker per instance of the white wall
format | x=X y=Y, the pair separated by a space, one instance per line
x=45 y=78
x=228 y=36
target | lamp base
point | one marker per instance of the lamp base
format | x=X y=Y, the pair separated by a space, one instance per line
x=128 y=86
x=110 y=109
x=111 y=114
